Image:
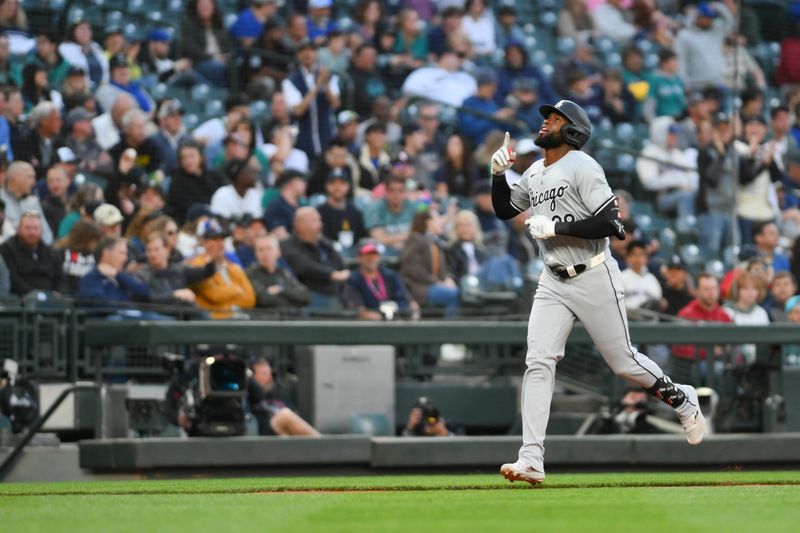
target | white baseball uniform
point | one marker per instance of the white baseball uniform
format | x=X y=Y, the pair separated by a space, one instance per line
x=571 y=189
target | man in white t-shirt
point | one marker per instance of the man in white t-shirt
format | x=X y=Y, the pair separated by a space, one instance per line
x=639 y=284
x=241 y=196
x=442 y=83
x=527 y=152
x=280 y=150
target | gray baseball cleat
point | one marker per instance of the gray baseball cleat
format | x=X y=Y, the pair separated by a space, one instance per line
x=694 y=424
x=521 y=471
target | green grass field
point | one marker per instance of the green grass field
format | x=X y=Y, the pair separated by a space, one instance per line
x=680 y=502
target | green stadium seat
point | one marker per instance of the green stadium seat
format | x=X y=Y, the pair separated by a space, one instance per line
x=114 y=18
x=716 y=267
x=624 y=132
x=259 y=110
x=345 y=23
x=691 y=255
x=74 y=14
x=605 y=45
x=200 y=92
x=159 y=92
x=373 y=424
x=566 y=45
x=641 y=207
x=230 y=18
x=214 y=108
x=548 y=19
x=667 y=238
x=191 y=121
x=139 y=6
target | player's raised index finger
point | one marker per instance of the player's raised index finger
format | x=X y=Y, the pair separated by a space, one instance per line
x=507 y=140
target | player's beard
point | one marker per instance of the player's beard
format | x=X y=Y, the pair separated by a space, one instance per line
x=548 y=140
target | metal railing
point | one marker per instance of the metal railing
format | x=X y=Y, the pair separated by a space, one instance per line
x=34 y=428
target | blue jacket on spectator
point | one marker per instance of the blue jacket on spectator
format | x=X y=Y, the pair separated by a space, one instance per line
x=358 y=293
x=5 y=138
x=133 y=89
x=246 y=25
x=96 y=289
x=279 y=213
x=508 y=74
x=315 y=31
x=473 y=127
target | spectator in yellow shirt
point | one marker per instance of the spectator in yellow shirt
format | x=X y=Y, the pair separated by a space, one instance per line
x=228 y=291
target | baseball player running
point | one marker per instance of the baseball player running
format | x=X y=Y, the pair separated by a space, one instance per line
x=574 y=213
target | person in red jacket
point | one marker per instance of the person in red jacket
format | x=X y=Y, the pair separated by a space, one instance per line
x=789 y=65
x=704 y=308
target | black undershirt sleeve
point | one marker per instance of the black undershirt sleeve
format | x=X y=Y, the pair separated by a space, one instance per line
x=501 y=198
x=605 y=223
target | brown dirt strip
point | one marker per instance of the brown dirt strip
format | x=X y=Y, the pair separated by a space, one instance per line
x=516 y=486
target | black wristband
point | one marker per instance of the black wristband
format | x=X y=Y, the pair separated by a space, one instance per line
x=562 y=228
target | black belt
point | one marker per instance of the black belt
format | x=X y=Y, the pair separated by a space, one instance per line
x=563 y=273
x=572 y=271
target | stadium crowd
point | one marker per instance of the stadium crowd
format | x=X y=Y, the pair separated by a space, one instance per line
x=312 y=155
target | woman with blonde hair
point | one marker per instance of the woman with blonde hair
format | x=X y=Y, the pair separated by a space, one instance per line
x=747 y=290
x=466 y=254
x=141 y=226
x=12 y=16
x=166 y=226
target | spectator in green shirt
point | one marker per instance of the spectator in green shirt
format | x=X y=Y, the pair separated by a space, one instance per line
x=411 y=44
x=791 y=352
x=46 y=51
x=10 y=74
x=636 y=78
x=667 y=96
x=389 y=219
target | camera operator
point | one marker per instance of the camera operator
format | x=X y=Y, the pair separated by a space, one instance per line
x=424 y=420
x=18 y=397
x=632 y=416
x=268 y=405
x=177 y=409
x=207 y=398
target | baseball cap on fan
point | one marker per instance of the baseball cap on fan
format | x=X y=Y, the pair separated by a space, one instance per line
x=158 y=35
x=211 y=229
x=526 y=146
x=369 y=248
x=107 y=215
x=675 y=262
x=705 y=9
x=67 y=156
x=486 y=76
x=169 y=108
x=346 y=117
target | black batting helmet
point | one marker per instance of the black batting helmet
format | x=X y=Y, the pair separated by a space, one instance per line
x=577 y=132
